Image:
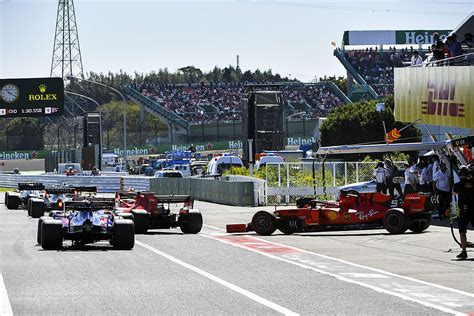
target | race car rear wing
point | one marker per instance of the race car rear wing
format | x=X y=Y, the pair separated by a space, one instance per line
x=125 y=195
x=173 y=199
x=70 y=190
x=90 y=204
x=31 y=186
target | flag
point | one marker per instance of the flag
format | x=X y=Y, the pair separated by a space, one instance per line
x=392 y=135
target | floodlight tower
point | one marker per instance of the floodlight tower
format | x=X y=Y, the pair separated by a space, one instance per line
x=67 y=60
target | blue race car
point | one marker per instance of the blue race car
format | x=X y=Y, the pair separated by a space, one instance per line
x=20 y=197
x=53 y=198
x=84 y=222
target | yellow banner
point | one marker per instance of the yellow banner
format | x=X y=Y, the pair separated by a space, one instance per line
x=437 y=95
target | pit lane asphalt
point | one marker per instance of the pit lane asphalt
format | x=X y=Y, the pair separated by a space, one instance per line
x=99 y=280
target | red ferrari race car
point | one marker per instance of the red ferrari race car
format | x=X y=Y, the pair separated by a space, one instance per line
x=351 y=211
x=151 y=211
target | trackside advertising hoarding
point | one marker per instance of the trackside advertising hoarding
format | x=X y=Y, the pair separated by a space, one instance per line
x=408 y=37
x=437 y=95
x=145 y=151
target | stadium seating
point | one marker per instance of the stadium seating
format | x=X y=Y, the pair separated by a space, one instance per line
x=211 y=102
x=375 y=67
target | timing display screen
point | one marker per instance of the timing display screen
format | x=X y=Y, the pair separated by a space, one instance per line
x=31 y=97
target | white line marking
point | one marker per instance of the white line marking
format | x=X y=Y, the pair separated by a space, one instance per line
x=342 y=278
x=229 y=285
x=5 y=307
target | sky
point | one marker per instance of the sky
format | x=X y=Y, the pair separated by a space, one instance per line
x=293 y=38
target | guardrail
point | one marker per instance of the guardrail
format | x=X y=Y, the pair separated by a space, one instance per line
x=104 y=184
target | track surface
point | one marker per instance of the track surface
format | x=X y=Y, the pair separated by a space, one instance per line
x=213 y=273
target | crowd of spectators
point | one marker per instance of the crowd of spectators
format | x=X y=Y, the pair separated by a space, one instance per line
x=223 y=101
x=376 y=66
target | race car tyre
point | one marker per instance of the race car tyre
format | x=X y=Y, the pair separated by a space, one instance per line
x=420 y=225
x=264 y=223
x=51 y=234
x=6 y=198
x=13 y=201
x=36 y=207
x=40 y=223
x=141 y=221
x=124 y=234
x=190 y=223
x=395 y=222
x=125 y=215
x=284 y=227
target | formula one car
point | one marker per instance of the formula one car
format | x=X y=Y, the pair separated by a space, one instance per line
x=21 y=196
x=53 y=198
x=85 y=221
x=151 y=211
x=351 y=211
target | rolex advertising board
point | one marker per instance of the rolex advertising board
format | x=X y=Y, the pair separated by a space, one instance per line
x=437 y=95
x=31 y=97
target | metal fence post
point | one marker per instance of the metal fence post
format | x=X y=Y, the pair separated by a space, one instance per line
x=287 y=197
x=357 y=171
x=279 y=183
x=345 y=173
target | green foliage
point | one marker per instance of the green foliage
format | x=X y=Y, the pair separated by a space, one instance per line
x=396 y=156
x=341 y=82
x=24 y=134
x=360 y=123
x=113 y=125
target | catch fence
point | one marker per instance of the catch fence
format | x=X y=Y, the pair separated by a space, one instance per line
x=287 y=181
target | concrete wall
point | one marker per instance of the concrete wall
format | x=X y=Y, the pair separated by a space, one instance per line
x=23 y=165
x=217 y=191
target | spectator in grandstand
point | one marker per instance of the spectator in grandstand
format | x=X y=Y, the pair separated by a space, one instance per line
x=454 y=46
x=468 y=40
x=438 y=47
x=416 y=59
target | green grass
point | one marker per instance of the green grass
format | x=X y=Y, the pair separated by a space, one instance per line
x=5 y=189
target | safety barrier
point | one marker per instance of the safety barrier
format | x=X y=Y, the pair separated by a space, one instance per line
x=103 y=183
x=207 y=189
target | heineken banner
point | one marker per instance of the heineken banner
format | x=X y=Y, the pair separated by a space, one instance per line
x=437 y=95
x=145 y=151
x=410 y=37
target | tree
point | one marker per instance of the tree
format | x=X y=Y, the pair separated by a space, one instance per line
x=24 y=134
x=341 y=82
x=360 y=123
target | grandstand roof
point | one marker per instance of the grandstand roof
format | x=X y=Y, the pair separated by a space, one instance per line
x=466 y=26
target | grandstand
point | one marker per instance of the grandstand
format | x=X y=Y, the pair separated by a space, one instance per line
x=181 y=105
x=370 y=63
